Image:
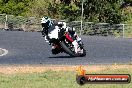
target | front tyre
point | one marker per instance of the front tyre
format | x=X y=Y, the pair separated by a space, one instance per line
x=83 y=54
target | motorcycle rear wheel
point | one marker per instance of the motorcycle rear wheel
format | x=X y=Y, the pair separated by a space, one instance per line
x=70 y=52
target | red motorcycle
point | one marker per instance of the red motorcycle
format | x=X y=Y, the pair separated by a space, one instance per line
x=62 y=42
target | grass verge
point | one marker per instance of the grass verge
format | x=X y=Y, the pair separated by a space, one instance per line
x=51 y=78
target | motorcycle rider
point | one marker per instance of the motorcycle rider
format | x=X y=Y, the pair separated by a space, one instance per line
x=48 y=26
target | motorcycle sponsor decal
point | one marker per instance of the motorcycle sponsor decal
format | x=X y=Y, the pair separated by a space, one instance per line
x=83 y=78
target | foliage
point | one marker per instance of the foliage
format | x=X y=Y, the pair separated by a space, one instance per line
x=103 y=11
x=39 y=7
x=14 y=7
x=94 y=10
x=70 y=12
x=128 y=1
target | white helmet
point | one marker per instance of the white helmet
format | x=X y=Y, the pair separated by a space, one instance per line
x=46 y=22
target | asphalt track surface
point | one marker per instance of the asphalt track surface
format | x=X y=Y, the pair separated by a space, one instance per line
x=30 y=48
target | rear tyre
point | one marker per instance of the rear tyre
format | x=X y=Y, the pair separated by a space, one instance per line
x=67 y=50
x=70 y=52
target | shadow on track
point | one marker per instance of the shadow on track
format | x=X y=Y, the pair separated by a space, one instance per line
x=62 y=57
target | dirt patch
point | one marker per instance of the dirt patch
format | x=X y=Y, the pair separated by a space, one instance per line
x=43 y=68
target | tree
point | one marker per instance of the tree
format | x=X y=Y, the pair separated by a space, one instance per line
x=14 y=7
x=103 y=11
x=66 y=1
x=70 y=12
x=94 y=10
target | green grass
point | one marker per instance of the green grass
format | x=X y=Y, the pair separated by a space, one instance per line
x=53 y=79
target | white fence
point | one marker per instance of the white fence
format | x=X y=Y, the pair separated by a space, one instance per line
x=88 y=28
x=103 y=29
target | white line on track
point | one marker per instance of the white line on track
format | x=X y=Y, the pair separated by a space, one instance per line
x=4 y=52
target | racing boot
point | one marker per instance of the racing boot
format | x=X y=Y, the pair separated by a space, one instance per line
x=75 y=44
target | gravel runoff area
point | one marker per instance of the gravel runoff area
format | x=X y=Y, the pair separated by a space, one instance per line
x=14 y=69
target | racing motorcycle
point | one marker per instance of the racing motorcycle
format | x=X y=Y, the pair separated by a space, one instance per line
x=61 y=40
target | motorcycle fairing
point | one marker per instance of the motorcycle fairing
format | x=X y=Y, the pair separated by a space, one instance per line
x=68 y=38
x=54 y=33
